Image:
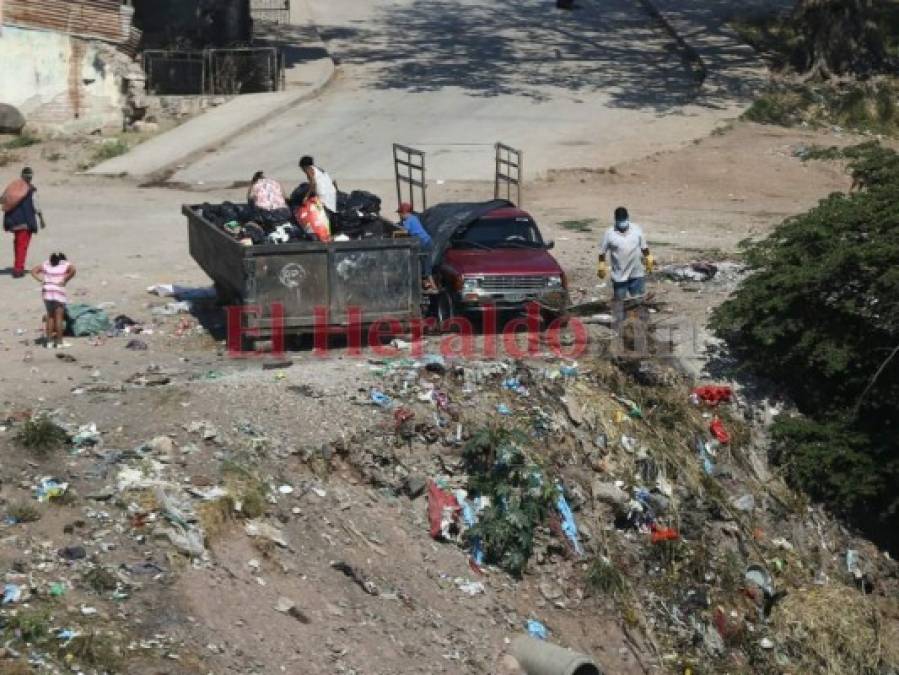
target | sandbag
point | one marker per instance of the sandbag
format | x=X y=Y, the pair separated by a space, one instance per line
x=14 y=194
x=82 y=320
x=313 y=218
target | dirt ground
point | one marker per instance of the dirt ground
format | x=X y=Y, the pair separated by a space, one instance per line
x=216 y=614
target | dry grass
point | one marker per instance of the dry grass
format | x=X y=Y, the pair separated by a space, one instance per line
x=215 y=517
x=24 y=512
x=835 y=630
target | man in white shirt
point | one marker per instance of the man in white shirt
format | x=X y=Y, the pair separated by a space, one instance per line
x=320 y=185
x=631 y=259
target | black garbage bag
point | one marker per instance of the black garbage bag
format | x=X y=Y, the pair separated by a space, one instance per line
x=269 y=220
x=296 y=197
x=255 y=233
x=363 y=202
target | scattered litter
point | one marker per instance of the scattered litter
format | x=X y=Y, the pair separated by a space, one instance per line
x=852 y=564
x=568 y=525
x=712 y=395
x=503 y=409
x=660 y=534
x=381 y=399
x=205 y=429
x=72 y=553
x=11 y=594
x=698 y=271
x=628 y=443
x=261 y=529
x=50 y=488
x=537 y=629
x=172 y=308
x=745 y=503
x=443 y=513
x=87 y=436
x=470 y=588
x=718 y=430
x=365 y=584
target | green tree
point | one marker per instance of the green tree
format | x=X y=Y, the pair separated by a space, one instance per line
x=820 y=315
x=838 y=37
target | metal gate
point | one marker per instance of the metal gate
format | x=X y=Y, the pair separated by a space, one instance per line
x=508 y=173
x=271 y=11
x=215 y=72
x=409 y=168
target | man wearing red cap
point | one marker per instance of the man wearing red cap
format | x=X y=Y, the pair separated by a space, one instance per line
x=412 y=225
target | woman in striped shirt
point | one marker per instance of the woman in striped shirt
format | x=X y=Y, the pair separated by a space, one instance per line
x=54 y=274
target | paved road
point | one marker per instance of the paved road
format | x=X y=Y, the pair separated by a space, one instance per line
x=586 y=88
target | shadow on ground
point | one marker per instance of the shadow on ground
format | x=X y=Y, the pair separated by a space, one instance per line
x=526 y=48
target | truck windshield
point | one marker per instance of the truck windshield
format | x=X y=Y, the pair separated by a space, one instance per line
x=499 y=232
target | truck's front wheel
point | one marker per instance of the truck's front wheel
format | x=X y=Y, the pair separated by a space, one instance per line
x=446 y=308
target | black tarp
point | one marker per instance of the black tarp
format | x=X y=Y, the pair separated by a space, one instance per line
x=444 y=220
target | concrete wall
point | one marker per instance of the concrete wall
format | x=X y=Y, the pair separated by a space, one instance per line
x=60 y=83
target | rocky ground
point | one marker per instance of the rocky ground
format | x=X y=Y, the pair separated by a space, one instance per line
x=202 y=514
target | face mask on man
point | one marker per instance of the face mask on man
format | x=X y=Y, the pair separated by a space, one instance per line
x=622 y=225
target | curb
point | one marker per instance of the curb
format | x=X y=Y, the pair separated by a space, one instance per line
x=163 y=174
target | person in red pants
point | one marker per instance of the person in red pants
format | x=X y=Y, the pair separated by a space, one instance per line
x=21 y=214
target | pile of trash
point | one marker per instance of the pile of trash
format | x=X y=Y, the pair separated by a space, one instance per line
x=654 y=499
x=358 y=216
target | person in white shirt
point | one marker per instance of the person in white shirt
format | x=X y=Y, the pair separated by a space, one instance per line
x=320 y=185
x=631 y=259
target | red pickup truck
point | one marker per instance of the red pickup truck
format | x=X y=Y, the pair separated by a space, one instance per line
x=492 y=253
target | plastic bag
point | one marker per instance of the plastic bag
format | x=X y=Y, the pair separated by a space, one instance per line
x=14 y=194
x=82 y=320
x=313 y=218
x=443 y=513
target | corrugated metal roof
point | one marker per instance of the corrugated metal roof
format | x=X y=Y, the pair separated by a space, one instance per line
x=92 y=19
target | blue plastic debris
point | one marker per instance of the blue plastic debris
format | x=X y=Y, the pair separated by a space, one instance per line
x=569 y=527
x=568 y=371
x=503 y=409
x=66 y=635
x=470 y=511
x=514 y=384
x=11 y=594
x=702 y=449
x=537 y=630
x=378 y=397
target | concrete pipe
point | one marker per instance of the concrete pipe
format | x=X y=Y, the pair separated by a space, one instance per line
x=542 y=658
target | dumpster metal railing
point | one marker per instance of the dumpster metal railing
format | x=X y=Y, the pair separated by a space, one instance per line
x=508 y=173
x=271 y=11
x=216 y=72
x=409 y=168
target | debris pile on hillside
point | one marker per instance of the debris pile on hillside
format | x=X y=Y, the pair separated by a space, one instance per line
x=595 y=488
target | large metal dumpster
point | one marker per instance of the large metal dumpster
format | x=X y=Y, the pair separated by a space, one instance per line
x=379 y=278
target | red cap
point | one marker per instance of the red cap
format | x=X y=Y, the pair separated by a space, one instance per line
x=405 y=207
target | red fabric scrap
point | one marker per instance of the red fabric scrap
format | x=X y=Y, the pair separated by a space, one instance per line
x=660 y=534
x=442 y=508
x=713 y=395
x=718 y=430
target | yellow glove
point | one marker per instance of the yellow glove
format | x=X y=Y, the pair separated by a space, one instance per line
x=650 y=263
x=602 y=269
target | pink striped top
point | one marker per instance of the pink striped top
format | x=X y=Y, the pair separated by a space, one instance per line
x=53 y=279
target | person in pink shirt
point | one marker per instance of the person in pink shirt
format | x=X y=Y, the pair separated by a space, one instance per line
x=53 y=275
